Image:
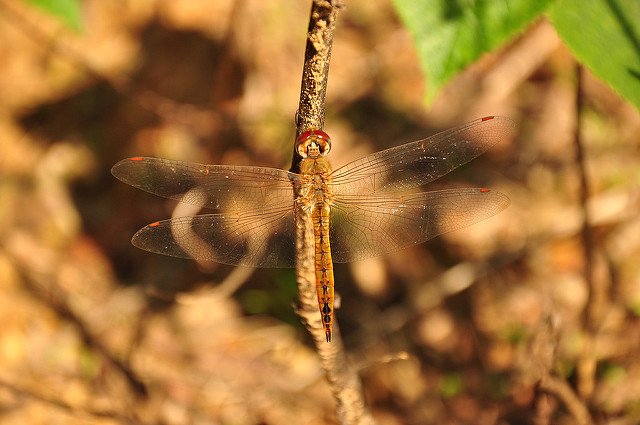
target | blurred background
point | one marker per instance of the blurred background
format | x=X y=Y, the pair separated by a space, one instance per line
x=471 y=327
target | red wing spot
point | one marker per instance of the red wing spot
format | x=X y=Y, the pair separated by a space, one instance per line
x=488 y=118
x=136 y=158
x=154 y=224
x=485 y=190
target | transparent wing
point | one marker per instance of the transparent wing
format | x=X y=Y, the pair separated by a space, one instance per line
x=365 y=226
x=220 y=187
x=253 y=224
x=259 y=240
x=417 y=163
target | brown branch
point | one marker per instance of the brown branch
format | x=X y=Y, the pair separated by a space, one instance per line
x=72 y=410
x=343 y=380
x=54 y=299
x=540 y=355
x=315 y=71
x=593 y=311
x=561 y=389
x=592 y=316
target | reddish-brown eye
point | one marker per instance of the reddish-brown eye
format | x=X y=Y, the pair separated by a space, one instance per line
x=319 y=137
x=313 y=133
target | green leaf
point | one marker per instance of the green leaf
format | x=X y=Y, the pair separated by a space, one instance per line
x=67 y=10
x=451 y=34
x=605 y=36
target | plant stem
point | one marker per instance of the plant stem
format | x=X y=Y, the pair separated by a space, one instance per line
x=344 y=382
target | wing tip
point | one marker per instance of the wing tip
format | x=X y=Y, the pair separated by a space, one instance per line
x=123 y=163
x=504 y=199
x=501 y=121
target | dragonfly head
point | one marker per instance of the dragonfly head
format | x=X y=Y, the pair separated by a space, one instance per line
x=313 y=144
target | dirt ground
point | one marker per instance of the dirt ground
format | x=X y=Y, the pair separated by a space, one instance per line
x=529 y=317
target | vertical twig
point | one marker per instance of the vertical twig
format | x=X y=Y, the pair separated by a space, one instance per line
x=586 y=367
x=344 y=382
x=587 y=240
x=315 y=71
x=575 y=402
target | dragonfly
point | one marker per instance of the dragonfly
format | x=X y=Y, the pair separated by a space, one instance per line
x=369 y=207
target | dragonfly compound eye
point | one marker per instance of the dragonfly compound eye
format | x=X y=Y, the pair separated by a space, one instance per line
x=313 y=143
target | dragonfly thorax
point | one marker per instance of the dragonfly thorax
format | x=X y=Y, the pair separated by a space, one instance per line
x=318 y=168
x=316 y=178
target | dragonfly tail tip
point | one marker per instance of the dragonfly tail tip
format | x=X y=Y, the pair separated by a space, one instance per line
x=328 y=333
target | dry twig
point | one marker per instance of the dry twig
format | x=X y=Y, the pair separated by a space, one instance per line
x=561 y=389
x=343 y=380
x=596 y=287
x=576 y=402
x=45 y=290
x=90 y=412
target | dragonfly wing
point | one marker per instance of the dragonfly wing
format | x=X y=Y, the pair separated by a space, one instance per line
x=254 y=221
x=219 y=187
x=420 y=162
x=254 y=240
x=365 y=226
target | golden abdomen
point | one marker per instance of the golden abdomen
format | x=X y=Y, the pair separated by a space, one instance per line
x=318 y=200
x=323 y=264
